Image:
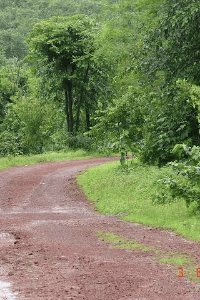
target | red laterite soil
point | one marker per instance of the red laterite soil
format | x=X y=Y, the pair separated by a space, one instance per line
x=49 y=248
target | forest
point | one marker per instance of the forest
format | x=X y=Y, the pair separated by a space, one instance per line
x=109 y=76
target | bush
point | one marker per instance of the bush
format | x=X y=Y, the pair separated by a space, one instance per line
x=172 y=118
x=184 y=181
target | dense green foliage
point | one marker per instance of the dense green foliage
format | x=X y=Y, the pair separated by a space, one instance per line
x=184 y=180
x=24 y=90
x=171 y=119
x=109 y=75
x=173 y=45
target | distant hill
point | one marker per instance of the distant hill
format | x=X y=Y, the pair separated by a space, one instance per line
x=17 y=18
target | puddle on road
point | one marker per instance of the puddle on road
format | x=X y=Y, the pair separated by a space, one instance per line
x=6 y=239
x=5 y=291
x=5 y=287
x=55 y=210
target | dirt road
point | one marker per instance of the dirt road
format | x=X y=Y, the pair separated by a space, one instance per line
x=49 y=248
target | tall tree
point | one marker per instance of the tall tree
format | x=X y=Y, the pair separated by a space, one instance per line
x=63 y=47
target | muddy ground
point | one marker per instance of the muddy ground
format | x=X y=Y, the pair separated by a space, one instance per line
x=49 y=247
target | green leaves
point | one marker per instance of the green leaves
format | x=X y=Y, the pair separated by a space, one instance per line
x=174 y=43
x=171 y=119
x=184 y=181
x=62 y=41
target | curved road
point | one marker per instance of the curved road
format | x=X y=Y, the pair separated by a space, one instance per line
x=49 y=248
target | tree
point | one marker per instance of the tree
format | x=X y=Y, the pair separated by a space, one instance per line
x=30 y=123
x=63 y=47
x=13 y=78
x=171 y=118
x=121 y=121
x=169 y=59
x=172 y=46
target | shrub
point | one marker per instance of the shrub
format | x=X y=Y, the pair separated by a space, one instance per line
x=184 y=180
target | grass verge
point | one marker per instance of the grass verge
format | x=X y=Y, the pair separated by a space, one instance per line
x=176 y=259
x=10 y=161
x=129 y=193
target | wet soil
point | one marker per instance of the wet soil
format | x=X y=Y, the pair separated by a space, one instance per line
x=49 y=247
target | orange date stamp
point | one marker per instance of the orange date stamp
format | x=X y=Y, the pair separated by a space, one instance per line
x=180 y=275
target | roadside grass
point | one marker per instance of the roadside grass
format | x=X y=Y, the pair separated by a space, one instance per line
x=129 y=194
x=20 y=160
x=176 y=259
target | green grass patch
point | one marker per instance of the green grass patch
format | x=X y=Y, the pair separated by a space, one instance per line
x=130 y=192
x=173 y=261
x=176 y=259
x=119 y=242
x=10 y=161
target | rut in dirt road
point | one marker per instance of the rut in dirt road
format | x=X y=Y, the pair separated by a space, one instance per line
x=49 y=246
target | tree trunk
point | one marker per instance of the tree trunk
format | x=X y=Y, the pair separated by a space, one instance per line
x=78 y=109
x=80 y=102
x=70 y=98
x=87 y=117
x=69 y=104
x=67 y=108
